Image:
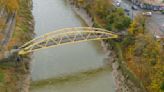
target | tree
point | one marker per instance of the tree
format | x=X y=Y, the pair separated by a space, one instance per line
x=137 y=26
x=118 y=20
x=12 y=5
x=9 y=5
x=101 y=7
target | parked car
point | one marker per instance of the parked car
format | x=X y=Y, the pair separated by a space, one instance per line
x=134 y=7
x=142 y=6
x=147 y=13
x=137 y=3
x=161 y=8
x=126 y=10
x=118 y=4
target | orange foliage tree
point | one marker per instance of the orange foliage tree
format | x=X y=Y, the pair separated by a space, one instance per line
x=145 y=57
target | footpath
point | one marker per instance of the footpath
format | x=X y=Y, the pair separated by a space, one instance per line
x=9 y=30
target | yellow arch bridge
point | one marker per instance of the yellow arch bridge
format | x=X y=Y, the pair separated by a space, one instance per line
x=66 y=36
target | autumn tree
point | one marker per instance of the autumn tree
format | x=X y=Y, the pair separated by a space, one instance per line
x=147 y=56
x=101 y=7
x=10 y=5
x=138 y=25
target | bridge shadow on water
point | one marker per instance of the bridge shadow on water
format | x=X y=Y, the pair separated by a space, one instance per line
x=72 y=78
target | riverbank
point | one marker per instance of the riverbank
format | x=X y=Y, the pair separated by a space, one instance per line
x=14 y=75
x=122 y=81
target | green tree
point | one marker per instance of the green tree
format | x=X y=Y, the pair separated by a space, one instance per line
x=117 y=20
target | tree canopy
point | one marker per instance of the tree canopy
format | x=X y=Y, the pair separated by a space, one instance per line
x=10 y=5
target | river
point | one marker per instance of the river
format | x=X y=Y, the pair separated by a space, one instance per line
x=68 y=68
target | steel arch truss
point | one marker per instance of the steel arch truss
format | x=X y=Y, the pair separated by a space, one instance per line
x=66 y=36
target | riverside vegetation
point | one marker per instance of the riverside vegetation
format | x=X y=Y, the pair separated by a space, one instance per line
x=142 y=55
x=12 y=75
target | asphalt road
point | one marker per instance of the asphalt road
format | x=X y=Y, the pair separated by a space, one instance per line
x=154 y=24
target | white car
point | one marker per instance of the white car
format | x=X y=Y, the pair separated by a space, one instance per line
x=118 y=4
x=147 y=13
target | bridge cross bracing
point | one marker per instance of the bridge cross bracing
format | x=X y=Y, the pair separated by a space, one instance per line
x=66 y=36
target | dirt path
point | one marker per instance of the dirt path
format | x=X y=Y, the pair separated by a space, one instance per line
x=9 y=30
